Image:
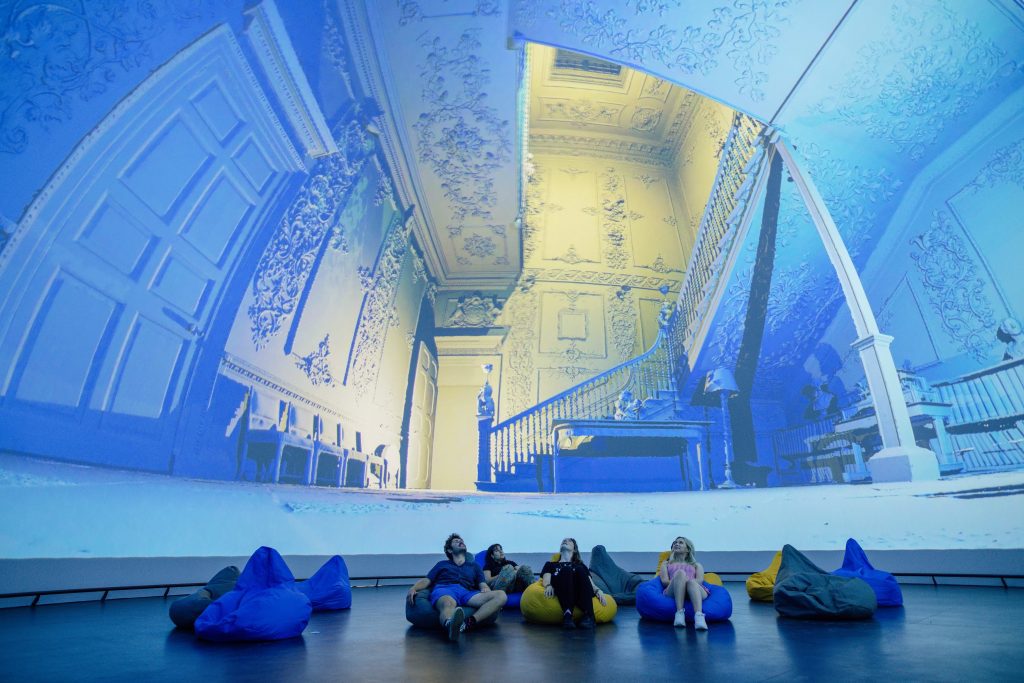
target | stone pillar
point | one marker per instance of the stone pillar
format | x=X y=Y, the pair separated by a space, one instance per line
x=900 y=459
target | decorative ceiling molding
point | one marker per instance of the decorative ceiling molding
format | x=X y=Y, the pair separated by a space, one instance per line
x=602 y=148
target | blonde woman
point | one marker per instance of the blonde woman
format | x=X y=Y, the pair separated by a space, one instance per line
x=683 y=577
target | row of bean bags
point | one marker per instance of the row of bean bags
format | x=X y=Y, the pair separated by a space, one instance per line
x=265 y=603
x=653 y=604
x=761 y=585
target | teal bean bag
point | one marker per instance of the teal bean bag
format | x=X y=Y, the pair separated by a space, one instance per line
x=185 y=611
x=423 y=615
x=856 y=565
x=805 y=591
x=613 y=579
x=264 y=605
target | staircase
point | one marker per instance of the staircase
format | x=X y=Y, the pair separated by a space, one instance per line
x=519 y=443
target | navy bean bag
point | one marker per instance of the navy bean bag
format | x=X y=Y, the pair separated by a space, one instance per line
x=329 y=588
x=185 y=611
x=805 y=591
x=855 y=564
x=265 y=604
x=513 y=598
x=652 y=603
x=423 y=615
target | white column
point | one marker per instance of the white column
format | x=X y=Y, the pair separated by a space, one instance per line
x=900 y=459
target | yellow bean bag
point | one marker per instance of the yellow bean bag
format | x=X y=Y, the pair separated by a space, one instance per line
x=709 y=577
x=761 y=585
x=540 y=609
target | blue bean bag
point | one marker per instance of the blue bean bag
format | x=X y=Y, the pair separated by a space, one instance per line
x=652 y=603
x=329 y=588
x=265 y=604
x=805 y=591
x=856 y=565
x=513 y=598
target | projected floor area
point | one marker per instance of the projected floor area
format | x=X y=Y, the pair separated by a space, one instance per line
x=56 y=510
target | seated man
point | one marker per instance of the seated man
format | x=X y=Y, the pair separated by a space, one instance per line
x=457 y=583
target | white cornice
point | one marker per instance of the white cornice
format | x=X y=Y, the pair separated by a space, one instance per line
x=273 y=49
x=369 y=72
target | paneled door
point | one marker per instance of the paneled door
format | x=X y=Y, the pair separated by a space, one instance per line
x=421 y=420
x=120 y=265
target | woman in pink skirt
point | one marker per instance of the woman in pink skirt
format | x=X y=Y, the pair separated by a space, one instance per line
x=683 y=577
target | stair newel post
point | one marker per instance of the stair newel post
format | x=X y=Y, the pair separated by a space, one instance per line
x=484 y=423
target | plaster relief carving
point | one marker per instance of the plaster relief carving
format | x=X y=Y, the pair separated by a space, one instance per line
x=315 y=364
x=582 y=112
x=312 y=216
x=740 y=30
x=948 y=271
x=379 y=312
x=645 y=120
x=1006 y=166
x=927 y=70
x=461 y=138
x=59 y=54
x=475 y=310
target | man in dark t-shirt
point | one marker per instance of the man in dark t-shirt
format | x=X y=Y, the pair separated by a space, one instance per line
x=502 y=573
x=456 y=584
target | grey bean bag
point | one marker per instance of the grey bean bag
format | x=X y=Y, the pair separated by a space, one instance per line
x=422 y=614
x=613 y=579
x=185 y=611
x=805 y=591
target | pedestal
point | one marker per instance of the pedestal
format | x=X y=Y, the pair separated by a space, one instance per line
x=483 y=451
x=903 y=463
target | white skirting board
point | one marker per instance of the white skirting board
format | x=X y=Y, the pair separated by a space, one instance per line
x=52 y=574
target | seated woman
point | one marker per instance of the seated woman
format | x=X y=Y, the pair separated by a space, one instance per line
x=569 y=580
x=502 y=574
x=683 y=577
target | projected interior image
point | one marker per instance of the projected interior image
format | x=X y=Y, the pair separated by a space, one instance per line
x=404 y=272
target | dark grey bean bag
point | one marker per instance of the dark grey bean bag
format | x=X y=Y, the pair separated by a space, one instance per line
x=422 y=614
x=613 y=579
x=805 y=591
x=185 y=611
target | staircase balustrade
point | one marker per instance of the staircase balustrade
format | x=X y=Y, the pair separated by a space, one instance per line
x=526 y=436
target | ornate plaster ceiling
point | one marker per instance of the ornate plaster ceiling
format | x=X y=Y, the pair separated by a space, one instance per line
x=447 y=83
x=625 y=114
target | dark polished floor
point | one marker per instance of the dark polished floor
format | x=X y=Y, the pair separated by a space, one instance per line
x=946 y=633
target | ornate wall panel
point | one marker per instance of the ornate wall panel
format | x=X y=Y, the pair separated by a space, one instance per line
x=67 y=63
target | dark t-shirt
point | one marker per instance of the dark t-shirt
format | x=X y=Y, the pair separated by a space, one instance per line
x=468 y=574
x=495 y=567
x=554 y=568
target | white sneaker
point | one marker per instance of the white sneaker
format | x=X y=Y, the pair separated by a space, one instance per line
x=698 y=621
x=680 y=621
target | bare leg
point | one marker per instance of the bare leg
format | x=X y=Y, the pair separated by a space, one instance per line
x=696 y=593
x=677 y=589
x=446 y=607
x=487 y=604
